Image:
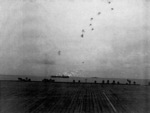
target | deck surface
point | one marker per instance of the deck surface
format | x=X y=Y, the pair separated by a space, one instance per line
x=38 y=97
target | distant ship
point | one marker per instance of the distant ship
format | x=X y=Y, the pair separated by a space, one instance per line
x=59 y=76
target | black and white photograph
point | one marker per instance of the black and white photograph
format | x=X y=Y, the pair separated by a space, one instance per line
x=74 y=56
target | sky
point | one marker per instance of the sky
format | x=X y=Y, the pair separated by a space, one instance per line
x=87 y=38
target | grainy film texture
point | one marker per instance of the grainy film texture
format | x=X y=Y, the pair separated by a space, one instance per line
x=74 y=56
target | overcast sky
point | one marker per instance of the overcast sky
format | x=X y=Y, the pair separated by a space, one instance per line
x=45 y=36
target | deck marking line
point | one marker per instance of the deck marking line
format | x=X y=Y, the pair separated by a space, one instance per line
x=110 y=103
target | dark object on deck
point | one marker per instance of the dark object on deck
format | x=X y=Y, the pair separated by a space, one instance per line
x=91 y=18
x=103 y=82
x=20 y=79
x=113 y=82
x=45 y=80
x=107 y=81
x=95 y=82
x=112 y=8
x=92 y=29
x=73 y=81
x=134 y=83
x=129 y=81
x=85 y=80
x=78 y=81
x=118 y=82
x=24 y=80
x=48 y=80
